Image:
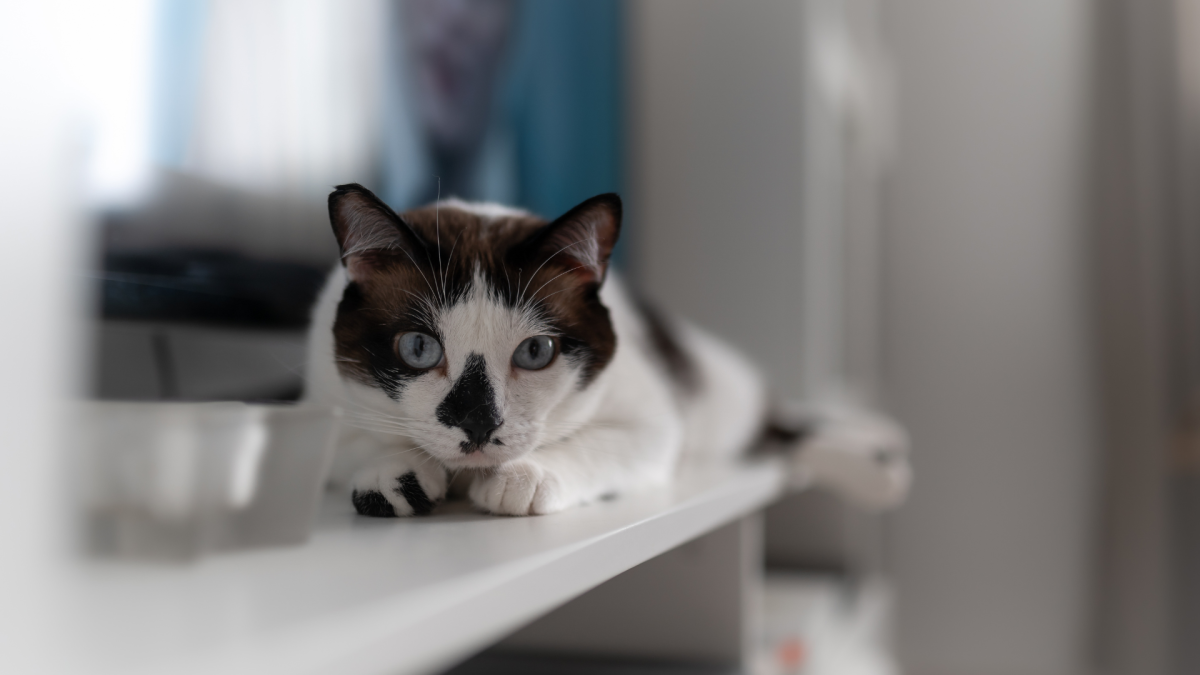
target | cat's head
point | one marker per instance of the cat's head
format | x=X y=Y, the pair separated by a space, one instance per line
x=469 y=328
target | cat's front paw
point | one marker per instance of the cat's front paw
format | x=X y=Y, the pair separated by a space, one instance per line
x=520 y=488
x=401 y=486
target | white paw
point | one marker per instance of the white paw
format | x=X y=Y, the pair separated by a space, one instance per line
x=520 y=488
x=407 y=485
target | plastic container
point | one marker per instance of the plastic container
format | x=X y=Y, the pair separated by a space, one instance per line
x=176 y=480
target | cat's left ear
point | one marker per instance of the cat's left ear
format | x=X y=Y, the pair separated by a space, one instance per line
x=368 y=230
x=583 y=237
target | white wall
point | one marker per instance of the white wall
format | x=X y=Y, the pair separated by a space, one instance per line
x=41 y=241
x=985 y=340
x=716 y=164
x=985 y=336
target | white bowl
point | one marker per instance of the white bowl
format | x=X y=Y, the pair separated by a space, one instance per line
x=174 y=480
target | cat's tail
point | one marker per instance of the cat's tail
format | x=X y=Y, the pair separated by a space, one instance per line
x=855 y=452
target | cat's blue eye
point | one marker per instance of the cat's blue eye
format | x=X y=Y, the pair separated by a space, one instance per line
x=534 y=353
x=418 y=350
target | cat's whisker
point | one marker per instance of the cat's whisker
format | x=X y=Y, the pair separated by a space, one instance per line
x=427 y=458
x=383 y=416
x=539 y=268
x=437 y=227
x=383 y=424
x=297 y=369
x=450 y=258
x=369 y=410
x=372 y=424
x=419 y=270
x=378 y=430
x=377 y=421
x=424 y=309
x=348 y=404
x=539 y=290
x=408 y=450
x=555 y=293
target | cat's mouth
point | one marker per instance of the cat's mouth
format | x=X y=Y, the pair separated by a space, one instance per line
x=479 y=459
x=471 y=447
x=476 y=455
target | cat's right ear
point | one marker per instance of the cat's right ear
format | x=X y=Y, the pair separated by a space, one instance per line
x=368 y=230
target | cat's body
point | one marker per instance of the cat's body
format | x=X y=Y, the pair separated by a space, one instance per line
x=480 y=341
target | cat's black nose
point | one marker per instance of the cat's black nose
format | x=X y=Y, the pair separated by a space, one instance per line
x=471 y=404
x=479 y=430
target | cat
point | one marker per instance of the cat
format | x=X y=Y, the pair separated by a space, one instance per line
x=483 y=341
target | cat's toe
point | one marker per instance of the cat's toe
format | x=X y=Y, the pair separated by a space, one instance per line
x=398 y=488
x=551 y=496
x=504 y=492
x=372 y=503
x=409 y=487
x=519 y=489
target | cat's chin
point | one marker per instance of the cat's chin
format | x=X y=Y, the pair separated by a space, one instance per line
x=475 y=460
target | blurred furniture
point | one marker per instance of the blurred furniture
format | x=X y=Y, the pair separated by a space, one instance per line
x=155 y=360
x=204 y=291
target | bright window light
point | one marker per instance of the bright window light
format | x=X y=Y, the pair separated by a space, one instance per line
x=106 y=50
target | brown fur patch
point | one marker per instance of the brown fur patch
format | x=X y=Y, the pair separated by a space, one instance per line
x=678 y=363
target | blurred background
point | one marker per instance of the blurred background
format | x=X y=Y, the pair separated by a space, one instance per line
x=208 y=171
x=981 y=217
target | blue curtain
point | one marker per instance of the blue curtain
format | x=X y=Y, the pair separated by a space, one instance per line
x=566 y=102
x=178 y=42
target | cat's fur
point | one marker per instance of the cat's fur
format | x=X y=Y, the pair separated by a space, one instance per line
x=626 y=398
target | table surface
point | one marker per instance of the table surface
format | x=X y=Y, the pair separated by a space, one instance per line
x=385 y=595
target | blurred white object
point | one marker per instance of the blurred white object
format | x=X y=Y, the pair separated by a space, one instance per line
x=859 y=454
x=173 y=480
x=814 y=625
x=288 y=94
x=106 y=50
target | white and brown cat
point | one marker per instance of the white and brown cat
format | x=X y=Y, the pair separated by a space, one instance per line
x=483 y=341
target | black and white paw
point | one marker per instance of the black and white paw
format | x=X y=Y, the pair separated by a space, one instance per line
x=399 y=487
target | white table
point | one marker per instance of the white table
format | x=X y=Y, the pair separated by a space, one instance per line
x=385 y=595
